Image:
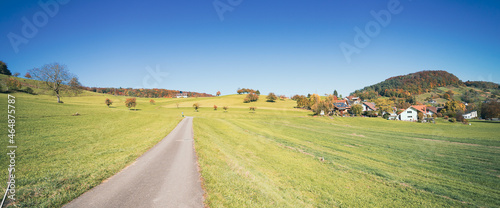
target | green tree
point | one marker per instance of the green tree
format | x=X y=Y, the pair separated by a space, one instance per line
x=357 y=109
x=335 y=93
x=257 y=92
x=271 y=97
x=4 y=69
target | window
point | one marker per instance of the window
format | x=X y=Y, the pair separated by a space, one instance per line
x=409 y=116
x=408 y=112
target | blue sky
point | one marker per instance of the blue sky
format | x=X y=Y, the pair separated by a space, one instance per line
x=287 y=47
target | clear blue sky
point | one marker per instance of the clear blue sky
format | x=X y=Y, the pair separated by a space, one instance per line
x=286 y=47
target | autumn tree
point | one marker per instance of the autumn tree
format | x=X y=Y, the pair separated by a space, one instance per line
x=453 y=106
x=55 y=76
x=225 y=108
x=130 y=102
x=490 y=109
x=271 y=97
x=27 y=75
x=196 y=106
x=75 y=86
x=420 y=116
x=12 y=84
x=4 y=69
x=252 y=108
x=251 y=97
x=218 y=93
x=16 y=74
x=215 y=107
x=108 y=102
x=357 y=109
x=152 y=102
x=257 y=92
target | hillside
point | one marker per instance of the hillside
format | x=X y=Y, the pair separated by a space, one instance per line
x=408 y=85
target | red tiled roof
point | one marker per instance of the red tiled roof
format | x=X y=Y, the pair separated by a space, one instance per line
x=370 y=105
x=421 y=108
x=431 y=108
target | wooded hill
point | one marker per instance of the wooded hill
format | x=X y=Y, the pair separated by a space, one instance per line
x=409 y=85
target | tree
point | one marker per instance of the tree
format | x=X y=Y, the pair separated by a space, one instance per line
x=218 y=93
x=215 y=107
x=16 y=74
x=196 y=106
x=13 y=84
x=271 y=97
x=420 y=116
x=130 y=102
x=253 y=108
x=4 y=69
x=27 y=75
x=152 y=102
x=335 y=93
x=225 y=108
x=490 y=109
x=55 y=76
x=357 y=109
x=108 y=102
x=75 y=86
x=257 y=92
x=251 y=97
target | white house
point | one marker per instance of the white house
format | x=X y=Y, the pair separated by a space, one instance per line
x=369 y=106
x=470 y=115
x=410 y=114
x=181 y=95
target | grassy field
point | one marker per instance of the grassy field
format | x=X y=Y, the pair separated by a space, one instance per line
x=277 y=156
x=60 y=156
x=273 y=159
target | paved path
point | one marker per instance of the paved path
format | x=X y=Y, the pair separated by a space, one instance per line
x=165 y=176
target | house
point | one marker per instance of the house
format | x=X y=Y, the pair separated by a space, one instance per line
x=341 y=107
x=367 y=106
x=432 y=102
x=353 y=100
x=470 y=115
x=181 y=95
x=431 y=110
x=410 y=114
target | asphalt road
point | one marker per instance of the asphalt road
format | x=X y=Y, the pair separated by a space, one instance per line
x=165 y=176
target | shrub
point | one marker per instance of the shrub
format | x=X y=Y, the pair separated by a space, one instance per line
x=152 y=102
x=225 y=108
x=453 y=120
x=439 y=115
x=130 y=102
x=386 y=116
x=253 y=108
x=251 y=97
x=196 y=106
x=445 y=117
x=108 y=102
x=215 y=107
x=271 y=97
x=29 y=90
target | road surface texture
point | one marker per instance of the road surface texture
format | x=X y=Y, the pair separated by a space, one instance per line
x=165 y=176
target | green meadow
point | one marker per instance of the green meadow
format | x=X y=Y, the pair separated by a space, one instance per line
x=277 y=156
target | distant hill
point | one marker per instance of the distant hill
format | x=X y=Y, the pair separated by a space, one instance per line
x=409 y=85
x=148 y=93
x=482 y=85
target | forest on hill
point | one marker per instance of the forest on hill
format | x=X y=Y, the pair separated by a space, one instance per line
x=148 y=93
x=406 y=86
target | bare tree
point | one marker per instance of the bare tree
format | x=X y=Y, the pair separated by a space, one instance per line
x=54 y=75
